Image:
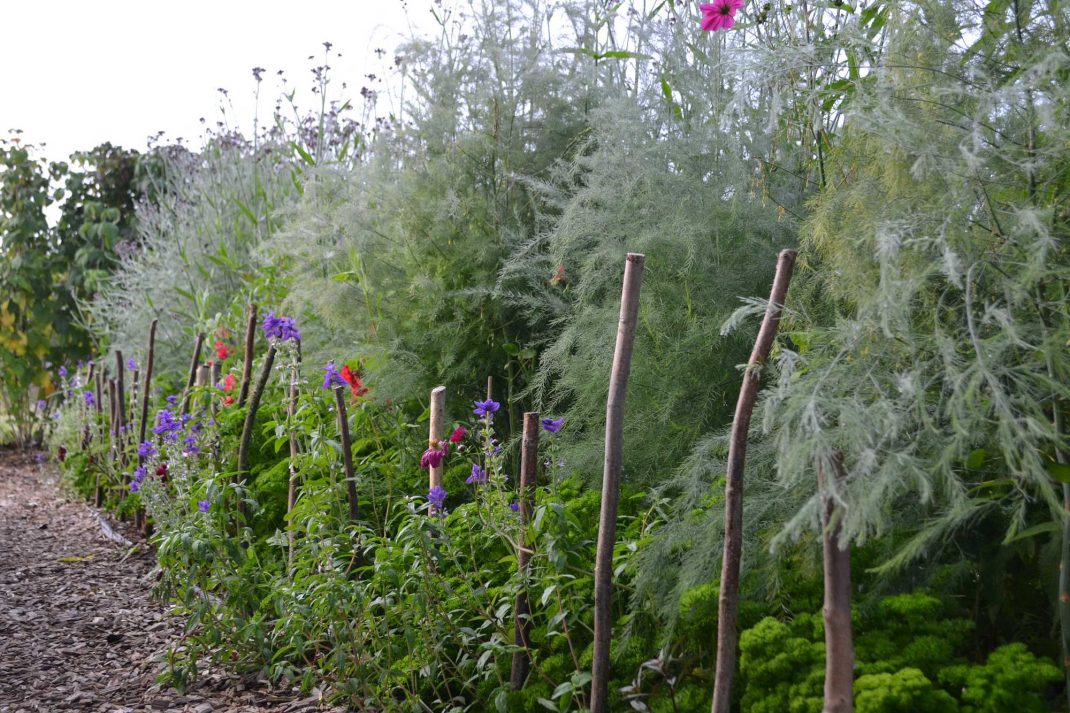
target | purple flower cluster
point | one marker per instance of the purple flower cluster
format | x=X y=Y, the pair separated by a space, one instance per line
x=90 y=400
x=190 y=443
x=63 y=372
x=479 y=475
x=281 y=328
x=41 y=405
x=332 y=377
x=139 y=478
x=437 y=497
x=131 y=364
x=146 y=450
x=486 y=409
x=432 y=457
x=203 y=506
x=167 y=425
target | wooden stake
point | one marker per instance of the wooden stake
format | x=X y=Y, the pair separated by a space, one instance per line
x=194 y=363
x=291 y=495
x=99 y=391
x=250 y=414
x=436 y=433
x=146 y=388
x=217 y=372
x=347 y=448
x=728 y=606
x=607 y=520
x=250 y=343
x=529 y=461
x=120 y=389
x=839 y=643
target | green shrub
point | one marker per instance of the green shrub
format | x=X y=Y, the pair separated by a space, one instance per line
x=905 y=691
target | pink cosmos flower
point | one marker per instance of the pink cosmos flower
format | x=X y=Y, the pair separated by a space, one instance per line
x=719 y=14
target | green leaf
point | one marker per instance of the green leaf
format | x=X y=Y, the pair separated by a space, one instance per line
x=975 y=459
x=1059 y=471
x=1042 y=528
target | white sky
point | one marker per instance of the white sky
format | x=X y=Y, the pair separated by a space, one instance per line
x=74 y=74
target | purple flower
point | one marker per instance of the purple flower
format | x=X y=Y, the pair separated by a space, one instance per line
x=166 y=423
x=63 y=372
x=146 y=450
x=514 y=506
x=332 y=377
x=436 y=496
x=191 y=448
x=55 y=415
x=203 y=505
x=41 y=405
x=40 y=457
x=139 y=473
x=281 y=328
x=485 y=409
x=134 y=486
x=172 y=399
x=478 y=475
x=89 y=398
x=549 y=424
x=131 y=364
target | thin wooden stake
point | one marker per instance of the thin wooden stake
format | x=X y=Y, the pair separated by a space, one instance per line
x=99 y=391
x=217 y=372
x=120 y=387
x=250 y=343
x=147 y=388
x=529 y=461
x=347 y=448
x=250 y=414
x=291 y=495
x=839 y=643
x=728 y=606
x=436 y=433
x=607 y=520
x=194 y=363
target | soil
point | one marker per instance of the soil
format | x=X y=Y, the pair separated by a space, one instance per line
x=79 y=629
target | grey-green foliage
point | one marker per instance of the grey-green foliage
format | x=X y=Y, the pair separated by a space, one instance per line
x=197 y=243
x=397 y=257
x=948 y=323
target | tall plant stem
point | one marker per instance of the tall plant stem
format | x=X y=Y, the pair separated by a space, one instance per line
x=146 y=388
x=194 y=363
x=436 y=433
x=607 y=520
x=728 y=606
x=247 y=366
x=291 y=494
x=250 y=414
x=839 y=643
x=529 y=461
x=347 y=449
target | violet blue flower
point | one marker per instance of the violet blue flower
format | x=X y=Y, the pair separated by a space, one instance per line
x=139 y=473
x=549 y=424
x=332 y=377
x=134 y=486
x=63 y=372
x=514 y=506
x=41 y=405
x=281 y=328
x=131 y=364
x=146 y=450
x=485 y=409
x=478 y=475
x=436 y=496
x=203 y=505
x=90 y=400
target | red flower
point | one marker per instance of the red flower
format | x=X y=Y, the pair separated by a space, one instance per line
x=458 y=434
x=222 y=350
x=228 y=400
x=62 y=454
x=559 y=276
x=353 y=379
x=161 y=469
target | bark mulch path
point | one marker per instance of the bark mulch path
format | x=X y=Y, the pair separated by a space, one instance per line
x=78 y=628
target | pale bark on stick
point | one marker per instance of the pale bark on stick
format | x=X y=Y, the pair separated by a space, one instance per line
x=347 y=449
x=147 y=387
x=728 y=606
x=529 y=461
x=839 y=643
x=99 y=389
x=291 y=495
x=194 y=363
x=436 y=432
x=247 y=366
x=607 y=521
